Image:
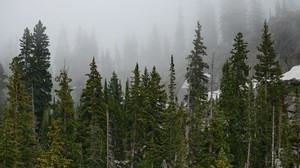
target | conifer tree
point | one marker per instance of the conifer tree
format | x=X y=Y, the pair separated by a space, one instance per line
x=65 y=118
x=54 y=156
x=116 y=117
x=267 y=74
x=92 y=120
x=26 y=47
x=156 y=100
x=170 y=119
x=135 y=117
x=19 y=146
x=233 y=99
x=197 y=95
x=223 y=161
x=35 y=57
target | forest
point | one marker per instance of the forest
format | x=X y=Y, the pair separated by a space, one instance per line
x=166 y=115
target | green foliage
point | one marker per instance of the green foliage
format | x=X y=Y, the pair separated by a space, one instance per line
x=35 y=58
x=270 y=98
x=223 y=161
x=234 y=100
x=54 y=157
x=65 y=117
x=92 y=120
x=197 y=96
x=195 y=72
x=18 y=143
x=116 y=117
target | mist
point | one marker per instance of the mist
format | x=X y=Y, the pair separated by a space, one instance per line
x=120 y=33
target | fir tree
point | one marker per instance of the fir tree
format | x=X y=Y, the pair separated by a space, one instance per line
x=92 y=120
x=65 y=117
x=270 y=94
x=54 y=156
x=197 y=95
x=117 y=117
x=19 y=146
x=135 y=117
x=170 y=119
x=223 y=161
x=156 y=100
x=233 y=99
x=35 y=56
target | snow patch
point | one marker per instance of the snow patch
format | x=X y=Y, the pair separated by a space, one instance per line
x=214 y=94
x=294 y=73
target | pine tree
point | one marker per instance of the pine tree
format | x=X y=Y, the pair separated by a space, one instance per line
x=26 y=47
x=35 y=57
x=19 y=146
x=65 y=117
x=223 y=161
x=197 y=95
x=170 y=119
x=117 y=117
x=54 y=156
x=270 y=94
x=233 y=99
x=92 y=120
x=156 y=100
x=135 y=115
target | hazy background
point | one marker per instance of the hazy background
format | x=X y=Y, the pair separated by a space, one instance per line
x=120 y=33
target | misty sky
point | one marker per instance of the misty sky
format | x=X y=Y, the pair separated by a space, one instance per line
x=108 y=20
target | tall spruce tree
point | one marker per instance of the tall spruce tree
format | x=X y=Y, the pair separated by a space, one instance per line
x=19 y=146
x=92 y=120
x=64 y=120
x=269 y=99
x=35 y=56
x=197 y=96
x=156 y=100
x=117 y=117
x=170 y=119
x=135 y=117
x=234 y=98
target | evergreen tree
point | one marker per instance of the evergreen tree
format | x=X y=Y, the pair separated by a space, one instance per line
x=35 y=57
x=223 y=161
x=197 y=96
x=156 y=101
x=117 y=117
x=135 y=116
x=54 y=156
x=65 y=118
x=170 y=119
x=269 y=100
x=92 y=121
x=19 y=146
x=233 y=99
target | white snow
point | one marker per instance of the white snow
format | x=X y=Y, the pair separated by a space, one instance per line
x=215 y=94
x=294 y=73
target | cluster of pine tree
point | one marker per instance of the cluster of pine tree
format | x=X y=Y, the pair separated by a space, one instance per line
x=144 y=126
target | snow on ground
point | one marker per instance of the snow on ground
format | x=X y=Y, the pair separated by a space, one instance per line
x=294 y=73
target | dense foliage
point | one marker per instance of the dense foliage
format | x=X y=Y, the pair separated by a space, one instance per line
x=144 y=125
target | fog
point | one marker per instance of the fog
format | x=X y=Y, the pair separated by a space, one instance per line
x=120 y=33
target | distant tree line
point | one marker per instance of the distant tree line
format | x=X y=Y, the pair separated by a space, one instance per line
x=144 y=125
